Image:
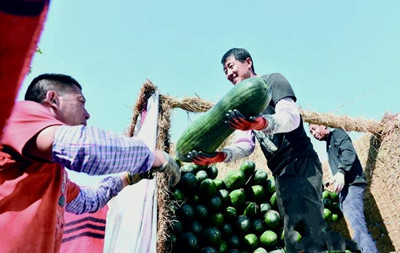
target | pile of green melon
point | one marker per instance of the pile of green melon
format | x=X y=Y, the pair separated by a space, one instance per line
x=236 y=214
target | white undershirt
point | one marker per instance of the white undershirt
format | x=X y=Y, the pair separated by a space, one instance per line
x=285 y=119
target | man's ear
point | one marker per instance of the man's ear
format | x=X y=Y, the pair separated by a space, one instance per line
x=51 y=98
x=249 y=62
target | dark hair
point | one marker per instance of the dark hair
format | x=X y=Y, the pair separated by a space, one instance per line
x=41 y=84
x=240 y=54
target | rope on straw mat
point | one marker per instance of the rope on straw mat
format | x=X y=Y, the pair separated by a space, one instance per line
x=347 y=123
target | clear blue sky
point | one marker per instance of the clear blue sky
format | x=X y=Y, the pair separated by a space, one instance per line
x=341 y=56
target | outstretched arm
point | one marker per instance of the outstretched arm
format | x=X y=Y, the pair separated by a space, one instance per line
x=242 y=147
x=91 y=199
x=285 y=119
x=96 y=151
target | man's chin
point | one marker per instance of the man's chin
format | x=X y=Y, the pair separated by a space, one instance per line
x=236 y=81
x=318 y=138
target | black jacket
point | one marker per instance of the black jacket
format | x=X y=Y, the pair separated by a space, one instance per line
x=343 y=158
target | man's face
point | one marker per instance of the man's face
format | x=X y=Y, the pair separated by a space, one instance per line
x=319 y=132
x=71 y=108
x=237 y=71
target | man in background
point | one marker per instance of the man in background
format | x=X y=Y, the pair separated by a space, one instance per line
x=348 y=180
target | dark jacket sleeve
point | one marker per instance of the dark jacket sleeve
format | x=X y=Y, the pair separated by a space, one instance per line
x=346 y=154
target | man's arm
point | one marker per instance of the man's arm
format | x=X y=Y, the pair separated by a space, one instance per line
x=96 y=151
x=285 y=119
x=92 y=199
x=347 y=153
x=40 y=146
x=242 y=147
x=346 y=156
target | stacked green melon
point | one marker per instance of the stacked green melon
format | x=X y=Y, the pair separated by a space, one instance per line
x=236 y=214
x=332 y=211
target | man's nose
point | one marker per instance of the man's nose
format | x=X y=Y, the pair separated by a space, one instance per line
x=229 y=73
x=87 y=115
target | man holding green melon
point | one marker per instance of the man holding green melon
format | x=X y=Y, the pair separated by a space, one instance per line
x=349 y=181
x=292 y=159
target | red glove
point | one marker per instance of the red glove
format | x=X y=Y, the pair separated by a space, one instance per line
x=204 y=159
x=237 y=120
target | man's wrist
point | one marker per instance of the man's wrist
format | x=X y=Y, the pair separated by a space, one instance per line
x=162 y=167
x=271 y=124
x=125 y=179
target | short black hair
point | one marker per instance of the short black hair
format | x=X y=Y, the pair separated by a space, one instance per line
x=240 y=54
x=41 y=84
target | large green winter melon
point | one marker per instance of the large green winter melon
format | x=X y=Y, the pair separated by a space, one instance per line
x=251 y=96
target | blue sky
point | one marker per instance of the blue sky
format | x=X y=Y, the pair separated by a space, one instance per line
x=341 y=57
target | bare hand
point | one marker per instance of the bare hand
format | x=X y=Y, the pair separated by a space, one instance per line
x=338 y=181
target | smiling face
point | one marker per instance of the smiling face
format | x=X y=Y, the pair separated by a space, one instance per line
x=70 y=107
x=319 y=132
x=236 y=70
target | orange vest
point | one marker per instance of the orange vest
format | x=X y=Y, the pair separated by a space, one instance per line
x=33 y=194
